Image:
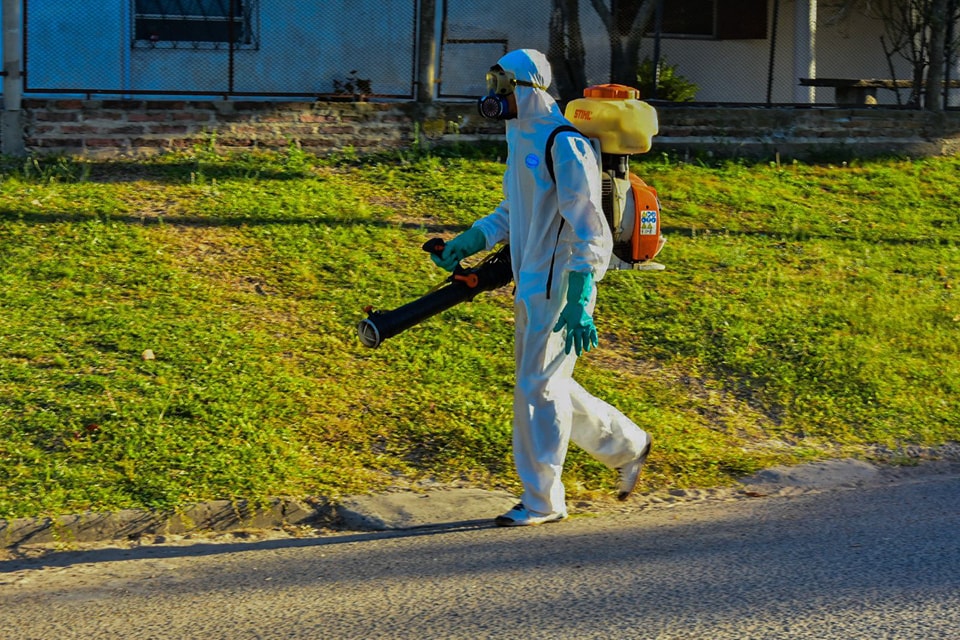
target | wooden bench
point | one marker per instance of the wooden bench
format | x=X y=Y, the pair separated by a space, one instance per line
x=860 y=91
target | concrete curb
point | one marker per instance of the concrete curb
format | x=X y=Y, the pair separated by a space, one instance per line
x=216 y=515
x=410 y=510
x=398 y=510
x=383 y=512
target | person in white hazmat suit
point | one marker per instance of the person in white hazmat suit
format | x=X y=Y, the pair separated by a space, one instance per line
x=560 y=246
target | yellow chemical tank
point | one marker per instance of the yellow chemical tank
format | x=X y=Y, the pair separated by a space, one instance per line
x=613 y=114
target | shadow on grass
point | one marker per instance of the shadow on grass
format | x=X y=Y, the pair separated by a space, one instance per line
x=52 y=217
x=33 y=217
x=71 y=171
x=263 y=165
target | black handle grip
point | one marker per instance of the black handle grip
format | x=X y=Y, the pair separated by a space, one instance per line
x=435 y=246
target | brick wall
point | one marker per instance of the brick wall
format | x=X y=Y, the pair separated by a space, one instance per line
x=115 y=128
x=809 y=132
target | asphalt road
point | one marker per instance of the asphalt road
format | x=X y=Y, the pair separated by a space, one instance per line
x=879 y=561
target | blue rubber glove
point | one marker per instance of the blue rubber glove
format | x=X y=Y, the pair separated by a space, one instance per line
x=581 y=332
x=463 y=246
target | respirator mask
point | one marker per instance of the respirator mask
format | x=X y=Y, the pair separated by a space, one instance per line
x=500 y=85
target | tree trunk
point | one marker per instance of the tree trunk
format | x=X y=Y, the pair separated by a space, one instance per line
x=933 y=98
x=565 y=50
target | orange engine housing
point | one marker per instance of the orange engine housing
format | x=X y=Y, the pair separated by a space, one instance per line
x=644 y=239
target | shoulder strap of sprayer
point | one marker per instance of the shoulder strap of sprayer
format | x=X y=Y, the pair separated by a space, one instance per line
x=564 y=128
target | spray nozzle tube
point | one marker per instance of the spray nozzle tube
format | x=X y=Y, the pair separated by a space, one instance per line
x=464 y=284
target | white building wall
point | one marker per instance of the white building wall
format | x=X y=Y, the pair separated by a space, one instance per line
x=305 y=46
x=737 y=70
x=71 y=44
x=852 y=49
x=478 y=33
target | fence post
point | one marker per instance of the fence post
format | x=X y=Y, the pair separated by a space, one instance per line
x=427 y=51
x=11 y=128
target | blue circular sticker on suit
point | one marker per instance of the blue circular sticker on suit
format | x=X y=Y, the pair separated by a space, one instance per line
x=532 y=161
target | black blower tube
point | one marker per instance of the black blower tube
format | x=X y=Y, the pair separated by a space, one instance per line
x=463 y=285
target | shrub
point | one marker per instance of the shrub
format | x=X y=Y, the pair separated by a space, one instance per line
x=671 y=86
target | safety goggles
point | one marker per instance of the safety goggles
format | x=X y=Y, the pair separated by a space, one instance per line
x=502 y=83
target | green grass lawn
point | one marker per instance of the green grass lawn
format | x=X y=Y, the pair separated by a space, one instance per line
x=183 y=328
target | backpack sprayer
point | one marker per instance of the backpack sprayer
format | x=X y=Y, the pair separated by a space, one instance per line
x=611 y=116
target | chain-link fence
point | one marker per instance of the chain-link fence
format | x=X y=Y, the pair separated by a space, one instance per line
x=220 y=47
x=706 y=51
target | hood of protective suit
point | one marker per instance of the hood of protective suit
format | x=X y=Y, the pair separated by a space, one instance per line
x=532 y=66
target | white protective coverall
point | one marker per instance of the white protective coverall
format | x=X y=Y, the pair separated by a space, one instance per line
x=550 y=408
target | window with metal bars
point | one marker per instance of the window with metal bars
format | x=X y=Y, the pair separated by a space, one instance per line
x=197 y=24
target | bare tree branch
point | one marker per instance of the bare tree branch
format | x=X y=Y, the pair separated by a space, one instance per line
x=605 y=16
x=916 y=31
x=625 y=22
